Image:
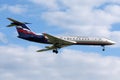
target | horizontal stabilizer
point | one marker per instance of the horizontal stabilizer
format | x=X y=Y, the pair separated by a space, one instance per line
x=11 y=25
x=16 y=23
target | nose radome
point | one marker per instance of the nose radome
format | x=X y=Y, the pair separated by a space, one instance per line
x=111 y=42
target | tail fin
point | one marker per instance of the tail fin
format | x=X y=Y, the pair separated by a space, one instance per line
x=21 y=27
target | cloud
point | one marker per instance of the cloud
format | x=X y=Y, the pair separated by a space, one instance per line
x=80 y=16
x=25 y=64
x=113 y=9
x=16 y=9
x=85 y=17
x=115 y=36
x=51 y=4
x=3 y=39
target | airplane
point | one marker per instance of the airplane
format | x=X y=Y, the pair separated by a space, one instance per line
x=56 y=42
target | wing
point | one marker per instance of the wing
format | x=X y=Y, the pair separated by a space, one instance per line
x=56 y=40
x=57 y=43
x=43 y=50
x=47 y=48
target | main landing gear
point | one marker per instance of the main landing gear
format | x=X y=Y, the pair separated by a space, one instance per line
x=55 y=51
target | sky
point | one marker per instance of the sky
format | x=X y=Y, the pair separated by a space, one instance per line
x=97 y=18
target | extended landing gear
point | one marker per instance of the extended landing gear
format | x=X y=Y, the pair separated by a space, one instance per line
x=55 y=51
x=103 y=48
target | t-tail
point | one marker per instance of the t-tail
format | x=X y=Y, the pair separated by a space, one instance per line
x=21 y=27
x=25 y=33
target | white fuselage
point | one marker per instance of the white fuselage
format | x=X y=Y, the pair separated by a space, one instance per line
x=88 y=40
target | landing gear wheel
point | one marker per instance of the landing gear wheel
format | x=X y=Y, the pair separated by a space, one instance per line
x=103 y=49
x=55 y=51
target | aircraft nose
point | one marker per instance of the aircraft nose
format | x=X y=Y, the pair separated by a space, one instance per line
x=111 y=42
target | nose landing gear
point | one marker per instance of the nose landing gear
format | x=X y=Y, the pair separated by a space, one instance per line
x=103 y=48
